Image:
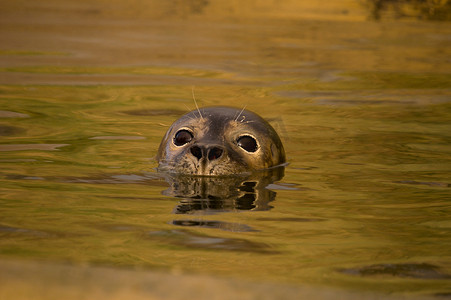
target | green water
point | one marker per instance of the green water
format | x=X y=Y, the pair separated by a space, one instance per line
x=363 y=109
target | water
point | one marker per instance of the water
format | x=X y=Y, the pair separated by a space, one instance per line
x=362 y=107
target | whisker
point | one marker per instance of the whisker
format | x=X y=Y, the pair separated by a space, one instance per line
x=195 y=102
x=189 y=109
x=236 y=119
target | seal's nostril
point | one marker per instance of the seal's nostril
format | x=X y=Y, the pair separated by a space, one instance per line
x=211 y=153
x=214 y=153
x=196 y=151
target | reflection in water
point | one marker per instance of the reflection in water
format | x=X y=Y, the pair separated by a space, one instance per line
x=206 y=195
x=209 y=195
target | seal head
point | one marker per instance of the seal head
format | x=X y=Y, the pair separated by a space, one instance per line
x=215 y=141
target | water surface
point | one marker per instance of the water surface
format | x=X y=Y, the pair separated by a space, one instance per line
x=362 y=107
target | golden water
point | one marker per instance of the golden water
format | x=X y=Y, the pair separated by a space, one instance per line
x=363 y=108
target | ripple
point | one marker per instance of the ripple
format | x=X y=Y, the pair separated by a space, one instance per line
x=234 y=227
x=18 y=160
x=155 y=112
x=12 y=114
x=6 y=130
x=7 y=231
x=21 y=147
x=194 y=240
x=409 y=270
x=433 y=184
x=292 y=219
x=118 y=137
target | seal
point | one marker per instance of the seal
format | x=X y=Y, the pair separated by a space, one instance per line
x=216 y=141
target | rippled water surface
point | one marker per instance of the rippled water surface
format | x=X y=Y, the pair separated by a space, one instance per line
x=363 y=109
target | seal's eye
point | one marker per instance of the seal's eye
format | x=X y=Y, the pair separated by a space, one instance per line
x=182 y=137
x=248 y=143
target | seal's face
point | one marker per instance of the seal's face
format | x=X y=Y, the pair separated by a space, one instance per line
x=220 y=141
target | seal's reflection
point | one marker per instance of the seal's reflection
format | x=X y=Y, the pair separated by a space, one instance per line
x=208 y=195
